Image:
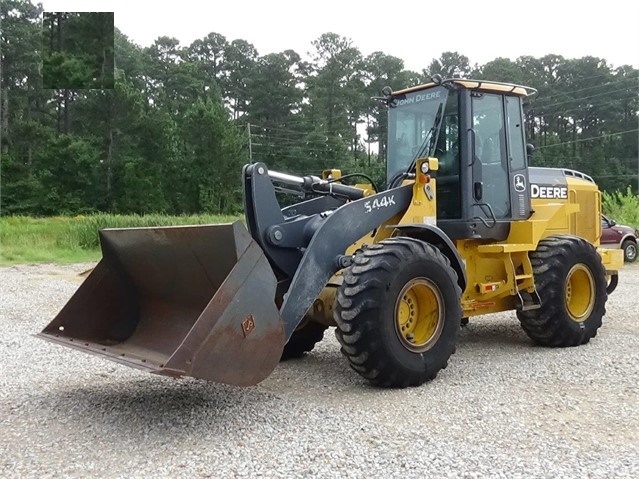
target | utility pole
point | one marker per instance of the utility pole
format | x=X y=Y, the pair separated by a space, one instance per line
x=248 y=129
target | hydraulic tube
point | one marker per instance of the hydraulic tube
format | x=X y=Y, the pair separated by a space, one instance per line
x=313 y=184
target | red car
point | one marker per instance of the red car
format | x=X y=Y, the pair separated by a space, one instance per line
x=619 y=236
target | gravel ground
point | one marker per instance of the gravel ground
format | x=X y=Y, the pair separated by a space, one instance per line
x=503 y=408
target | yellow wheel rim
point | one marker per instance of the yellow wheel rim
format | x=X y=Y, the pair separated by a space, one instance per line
x=580 y=293
x=419 y=316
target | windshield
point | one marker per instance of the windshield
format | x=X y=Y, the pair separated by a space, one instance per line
x=411 y=118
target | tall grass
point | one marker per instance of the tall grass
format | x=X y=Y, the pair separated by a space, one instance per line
x=75 y=239
x=82 y=231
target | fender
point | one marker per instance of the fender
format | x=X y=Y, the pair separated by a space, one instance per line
x=436 y=237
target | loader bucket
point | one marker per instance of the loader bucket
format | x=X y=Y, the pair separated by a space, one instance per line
x=178 y=301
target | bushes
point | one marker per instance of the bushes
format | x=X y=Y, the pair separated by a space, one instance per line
x=622 y=207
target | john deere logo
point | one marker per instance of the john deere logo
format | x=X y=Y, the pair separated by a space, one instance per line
x=520 y=183
x=549 y=192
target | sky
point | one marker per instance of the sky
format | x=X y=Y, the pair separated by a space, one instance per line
x=415 y=31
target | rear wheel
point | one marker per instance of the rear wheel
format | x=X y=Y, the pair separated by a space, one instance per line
x=629 y=248
x=303 y=340
x=397 y=312
x=571 y=283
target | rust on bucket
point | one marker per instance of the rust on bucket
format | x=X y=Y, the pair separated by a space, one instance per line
x=176 y=301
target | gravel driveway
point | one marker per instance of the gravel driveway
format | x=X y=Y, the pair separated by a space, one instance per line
x=503 y=408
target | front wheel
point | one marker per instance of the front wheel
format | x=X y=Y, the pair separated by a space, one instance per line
x=629 y=248
x=397 y=312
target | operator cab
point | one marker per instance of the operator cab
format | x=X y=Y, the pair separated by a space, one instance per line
x=475 y=130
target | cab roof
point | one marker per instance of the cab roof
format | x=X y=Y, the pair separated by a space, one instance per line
x=483 y=85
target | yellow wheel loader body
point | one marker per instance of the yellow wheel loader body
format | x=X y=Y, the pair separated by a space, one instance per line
x=464 y=228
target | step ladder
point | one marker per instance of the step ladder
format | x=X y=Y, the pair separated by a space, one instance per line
x=527 y=300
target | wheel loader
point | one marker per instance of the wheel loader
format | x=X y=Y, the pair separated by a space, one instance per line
x=463 y=228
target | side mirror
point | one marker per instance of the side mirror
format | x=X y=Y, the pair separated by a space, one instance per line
x=612 y=223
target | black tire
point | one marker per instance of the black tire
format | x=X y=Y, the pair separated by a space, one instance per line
x=629 y=248
x=571 y=283
x=373 y=299
x=303 y=340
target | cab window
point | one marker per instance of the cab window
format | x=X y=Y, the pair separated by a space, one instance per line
x=490 y=150
x=447 y=152
x=516 y=145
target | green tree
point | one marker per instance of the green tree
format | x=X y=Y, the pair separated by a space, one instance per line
x=208 y=54
x=448 y=65
x=213 y=156
x=240 y=63
x=274 y=108
x=335 y=91
x=171 y=135
x=24 y=105
x=381 y=70
x=78 y=50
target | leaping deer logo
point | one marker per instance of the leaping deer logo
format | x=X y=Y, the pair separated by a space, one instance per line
x=520 y=183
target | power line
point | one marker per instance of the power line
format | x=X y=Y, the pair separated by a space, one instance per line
x=286 y=136
x=316 y=154
x=534 y=107
x=587 y=88
x=597 y=105
x=300 y=121
x=270 y=128
x=323 y=156
x=278 y=142
x=581 y=158
x=578 y=99
x=280 y=139
x=279 y=136
x=303 y=147
x=587 y=139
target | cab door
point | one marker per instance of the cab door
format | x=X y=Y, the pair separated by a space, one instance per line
x=499 y=150
x=517 y=158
